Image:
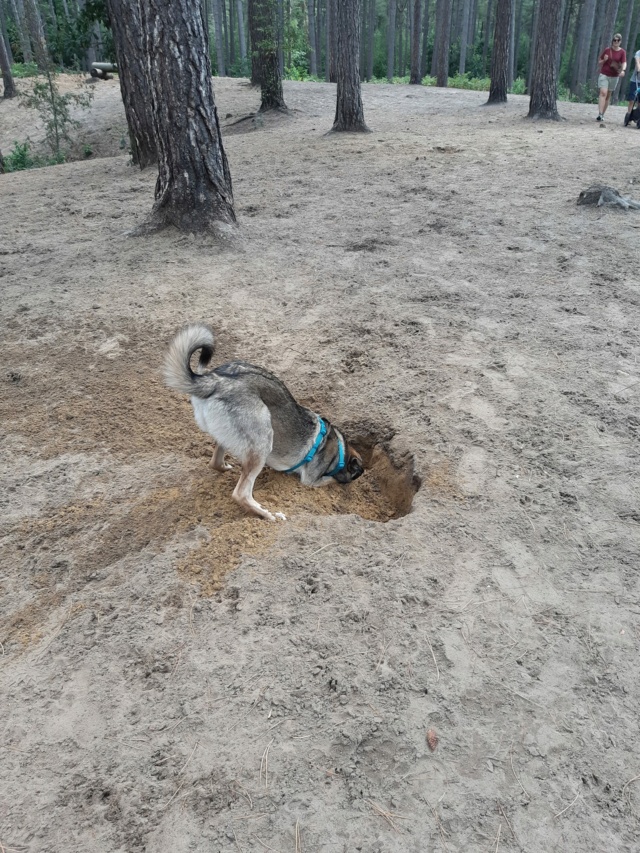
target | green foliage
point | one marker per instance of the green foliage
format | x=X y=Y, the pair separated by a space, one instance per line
x=55 y=109
x=20 y=158
x=24 y=69
x=519 y=87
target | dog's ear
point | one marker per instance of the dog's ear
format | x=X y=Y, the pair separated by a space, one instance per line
x=354 y=467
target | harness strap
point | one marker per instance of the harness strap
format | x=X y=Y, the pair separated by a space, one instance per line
x=340 y=464
x=314 y=449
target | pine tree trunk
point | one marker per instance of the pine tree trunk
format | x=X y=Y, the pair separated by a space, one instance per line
x=512 y=48
x=425 y=40
x=128 y=41
x=4 y=33
x=241 y=34
x=313 y=60
x=415 y=43
x=544 y=79
x=596 y=36
x=371 y=37
x=36 y=35
x=218 y=32
x=391 y=39
x=464 y=35
x=349 y=110
x=583 y=42
x=5 y=67
x=193 y=190
x=487 y=30
x=441 y=47
x=263 y=22
x=516 y=40
x=17 y=8
x=500 y=53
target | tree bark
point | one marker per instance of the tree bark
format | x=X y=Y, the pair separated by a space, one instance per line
x=4 y=33
x=425 y=40
x=128 y=42
x=263 y=22
x=391 y=39
x=487 y=31
x=464 y=35
x=36 y=35
x=441 y=46
x=415 y=43
x=583 y=42
x=193 y=190
x=313 y=59
x=5 y=67
x=241 y=35
x=544 y=79
x=371 y=39
x=349 y=110
x=21 y=25
x=500 y=53
x=218 y=34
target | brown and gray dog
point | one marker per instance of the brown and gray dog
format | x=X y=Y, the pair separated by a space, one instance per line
x=251 y=414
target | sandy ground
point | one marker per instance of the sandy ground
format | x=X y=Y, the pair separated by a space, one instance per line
x=177 y=676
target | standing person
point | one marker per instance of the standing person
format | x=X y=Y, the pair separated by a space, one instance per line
x=634 y=85
x=612 y=64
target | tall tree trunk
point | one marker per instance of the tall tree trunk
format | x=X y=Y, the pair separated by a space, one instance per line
x=391 y=39
x=232 y=35
x=500 y=53
x=626 y=30
x=280 y=37
x=598 y=29
x=17 y=8
x=425 y=40
x=128 y=42
x=487 y=31
x=370 y=38
x=4 y=33
x=5 y=67
x=415 y=43
x=532 y=44
x=442 y=47
x=313 y=60
x=464 y=35
x=241 y=34
x=583 y=42
x=544 y=80
x=218 y=34
x=193 y=191
x=263 y=21
x=512 y=49
x=516 y=39
x=349 y=110
x=36 y=35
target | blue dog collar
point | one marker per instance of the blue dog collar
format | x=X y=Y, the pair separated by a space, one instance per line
x=340 y=464
x=314 y=449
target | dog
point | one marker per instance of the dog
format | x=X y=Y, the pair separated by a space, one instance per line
x=251 y=414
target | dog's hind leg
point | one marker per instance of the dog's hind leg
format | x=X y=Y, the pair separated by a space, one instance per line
x=217 y=460
x=243 y=492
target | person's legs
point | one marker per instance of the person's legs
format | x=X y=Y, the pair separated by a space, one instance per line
x=602 y=101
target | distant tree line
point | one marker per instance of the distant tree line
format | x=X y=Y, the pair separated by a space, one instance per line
x=408 y=39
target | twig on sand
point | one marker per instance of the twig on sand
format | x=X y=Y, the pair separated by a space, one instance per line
x=504 y=815
x=175 y=794
x=515 y=775
x=498 y=838
x=434 y=658
x=298 y=842
x=264 y=764
x=236 y=839
x=388 y=816
x=184 y=767
x=577 y=797
x=635 y=779
x=266 y=846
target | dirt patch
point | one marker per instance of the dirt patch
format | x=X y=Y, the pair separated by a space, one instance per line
x=179 y=676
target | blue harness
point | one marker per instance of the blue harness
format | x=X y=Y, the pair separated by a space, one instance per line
x=314 y=450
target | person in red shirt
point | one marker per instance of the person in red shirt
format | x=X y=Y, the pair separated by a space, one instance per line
x=612 y=64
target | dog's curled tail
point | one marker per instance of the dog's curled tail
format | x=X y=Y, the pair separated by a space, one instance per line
x=177 y=364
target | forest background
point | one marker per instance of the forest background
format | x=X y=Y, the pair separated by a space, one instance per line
x=77 y=33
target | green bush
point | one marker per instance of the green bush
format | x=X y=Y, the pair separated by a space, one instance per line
x=519 y=87
x=21 y=158
x=24 y=69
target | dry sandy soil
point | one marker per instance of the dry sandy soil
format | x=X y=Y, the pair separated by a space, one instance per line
x=455 y=670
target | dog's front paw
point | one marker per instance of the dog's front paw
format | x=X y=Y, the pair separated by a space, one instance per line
x=281 y=516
